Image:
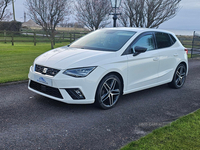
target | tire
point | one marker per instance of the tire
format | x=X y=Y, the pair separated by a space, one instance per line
x=108 y=92
x=179 y=77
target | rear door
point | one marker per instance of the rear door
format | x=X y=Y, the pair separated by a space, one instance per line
x=168 y=56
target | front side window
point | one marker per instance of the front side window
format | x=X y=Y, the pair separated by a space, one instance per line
x=163 y=40
x=145 y=41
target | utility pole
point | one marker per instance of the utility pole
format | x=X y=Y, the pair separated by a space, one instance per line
x=115 y=4
x=24 y=16
x=13 y=10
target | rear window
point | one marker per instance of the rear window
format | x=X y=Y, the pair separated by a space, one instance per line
x=163 y=40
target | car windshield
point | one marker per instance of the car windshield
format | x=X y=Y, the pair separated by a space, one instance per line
x=104 y=40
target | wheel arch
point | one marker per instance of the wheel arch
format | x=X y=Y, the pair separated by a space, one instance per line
x=98 y=102
x=185 y=64
x=182 y=62
x=119 y=76
x=179 y=78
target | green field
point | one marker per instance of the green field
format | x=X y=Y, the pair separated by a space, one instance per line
x=16 y=60
x=182 y=134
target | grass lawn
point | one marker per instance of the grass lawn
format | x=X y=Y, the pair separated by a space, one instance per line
x=16 y=60
x=182 y=134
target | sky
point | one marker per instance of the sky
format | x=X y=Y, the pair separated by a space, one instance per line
x=187 y=18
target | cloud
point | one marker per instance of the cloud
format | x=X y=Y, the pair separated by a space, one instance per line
x=190 y=4
x=186 y=18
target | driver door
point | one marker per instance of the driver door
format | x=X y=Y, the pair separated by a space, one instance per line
x=142 y=68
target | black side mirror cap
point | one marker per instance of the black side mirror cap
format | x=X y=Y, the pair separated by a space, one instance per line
x=139 y=50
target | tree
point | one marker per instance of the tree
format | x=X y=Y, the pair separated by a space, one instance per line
x=4 y=14
x=93 y=14
x=148 y=13
x=48 y=13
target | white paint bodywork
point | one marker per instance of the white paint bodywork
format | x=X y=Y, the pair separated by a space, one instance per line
x=143 y=71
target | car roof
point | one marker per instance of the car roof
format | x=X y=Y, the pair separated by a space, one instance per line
x=139 y=30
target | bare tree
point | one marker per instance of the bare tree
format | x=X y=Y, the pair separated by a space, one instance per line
x=4 y=13
x=148 y=13
x=64 y=23
x=93 y=14
x=48 y=13
x=123 y=18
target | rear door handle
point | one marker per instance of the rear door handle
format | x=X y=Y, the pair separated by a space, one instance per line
x=175 y=55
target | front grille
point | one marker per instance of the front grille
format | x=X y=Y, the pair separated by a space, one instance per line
x=45 y=89
x=46 y=70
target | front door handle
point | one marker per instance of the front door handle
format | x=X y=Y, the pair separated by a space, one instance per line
x=156 y=59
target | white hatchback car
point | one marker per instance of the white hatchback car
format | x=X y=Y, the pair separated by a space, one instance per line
x=107 y=63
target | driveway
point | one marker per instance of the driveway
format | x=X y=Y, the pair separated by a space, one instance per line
x=30 y=121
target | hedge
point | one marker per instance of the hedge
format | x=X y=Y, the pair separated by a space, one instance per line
x=10 y=26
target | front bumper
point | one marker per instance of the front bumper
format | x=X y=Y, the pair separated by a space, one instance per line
x=65 y=88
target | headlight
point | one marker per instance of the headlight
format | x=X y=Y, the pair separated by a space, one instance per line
x=79 y=72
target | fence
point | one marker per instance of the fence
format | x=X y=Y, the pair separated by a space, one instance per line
x=186 y=40
x=195 y=51
x=38 y=36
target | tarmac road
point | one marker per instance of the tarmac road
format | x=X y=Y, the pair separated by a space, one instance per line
x=30 y=121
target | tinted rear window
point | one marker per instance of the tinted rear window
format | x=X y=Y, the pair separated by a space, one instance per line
x=172 y=38
x=163 y=40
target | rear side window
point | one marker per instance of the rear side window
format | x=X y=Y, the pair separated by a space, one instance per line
x=172 y=38
x=163 y=40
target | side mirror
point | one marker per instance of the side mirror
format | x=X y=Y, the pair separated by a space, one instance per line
x=139 y=50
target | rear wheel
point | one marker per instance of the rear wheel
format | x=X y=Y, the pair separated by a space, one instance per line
x=179 y=77
x=108 y=92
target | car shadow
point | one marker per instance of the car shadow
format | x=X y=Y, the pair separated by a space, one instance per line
x=54 y=104
x=124 y=99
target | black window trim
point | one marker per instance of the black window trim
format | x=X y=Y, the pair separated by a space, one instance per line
x=128 y=49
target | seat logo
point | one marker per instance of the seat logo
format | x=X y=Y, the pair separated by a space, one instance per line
x=45 y=70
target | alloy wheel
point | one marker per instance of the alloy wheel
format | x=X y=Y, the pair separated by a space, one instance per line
x=108 y=92
x=180 y=76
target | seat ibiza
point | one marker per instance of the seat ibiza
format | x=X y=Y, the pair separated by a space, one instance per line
x=107 y=63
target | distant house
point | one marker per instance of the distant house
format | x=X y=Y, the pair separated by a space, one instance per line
x=30 y=24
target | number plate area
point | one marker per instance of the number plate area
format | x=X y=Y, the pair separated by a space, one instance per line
x=43 y=80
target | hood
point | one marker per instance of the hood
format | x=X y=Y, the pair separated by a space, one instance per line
x=66 y=57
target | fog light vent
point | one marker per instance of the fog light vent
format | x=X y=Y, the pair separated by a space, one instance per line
x=75 y=93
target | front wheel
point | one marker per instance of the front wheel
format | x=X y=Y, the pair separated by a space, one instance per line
x=108 y=92
x=179 y=77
